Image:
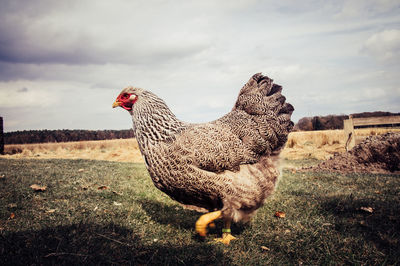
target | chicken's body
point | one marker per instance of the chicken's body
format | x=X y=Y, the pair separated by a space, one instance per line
x=228 y=166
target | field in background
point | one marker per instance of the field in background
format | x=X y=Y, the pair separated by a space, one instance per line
x=122 y=150
x=301 y=145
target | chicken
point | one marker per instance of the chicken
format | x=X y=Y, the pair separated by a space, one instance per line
x=227 y=167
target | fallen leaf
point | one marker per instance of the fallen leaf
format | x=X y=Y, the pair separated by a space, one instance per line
x=367 y=209
x=265 y=248
x=12 y=205
x=36 y=187
x=326 y=224
x=81 y=170
x=115 y=192
x=280 y=214
x=102 y=187
x=12 y=215
x=117 y=203
x=50 y=210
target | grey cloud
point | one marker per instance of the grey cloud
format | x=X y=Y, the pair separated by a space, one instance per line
x=367 y=9
x=27 y=49
x=71 y=36
x=384 y=46
x=24 y=89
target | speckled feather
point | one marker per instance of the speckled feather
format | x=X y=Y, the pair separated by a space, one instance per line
x=229 y=164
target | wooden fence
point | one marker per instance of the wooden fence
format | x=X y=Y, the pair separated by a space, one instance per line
x=1 y=136
x=366 y=122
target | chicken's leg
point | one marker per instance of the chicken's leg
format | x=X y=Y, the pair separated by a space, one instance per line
x=205 y=220
x=226 y=233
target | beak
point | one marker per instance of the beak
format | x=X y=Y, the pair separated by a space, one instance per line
x=116 y=104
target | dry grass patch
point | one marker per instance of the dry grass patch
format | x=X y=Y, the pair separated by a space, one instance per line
x=121 y=150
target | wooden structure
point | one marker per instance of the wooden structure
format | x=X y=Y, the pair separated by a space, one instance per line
x=1 y=136
x=366 y=122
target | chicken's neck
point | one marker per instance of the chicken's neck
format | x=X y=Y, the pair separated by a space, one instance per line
x=153 y=124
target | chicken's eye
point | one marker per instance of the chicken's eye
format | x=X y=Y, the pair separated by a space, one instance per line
x=125 y=96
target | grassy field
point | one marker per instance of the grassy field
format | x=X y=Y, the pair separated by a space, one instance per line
x=102 y=212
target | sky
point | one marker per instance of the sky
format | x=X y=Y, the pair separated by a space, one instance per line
x=63 y=63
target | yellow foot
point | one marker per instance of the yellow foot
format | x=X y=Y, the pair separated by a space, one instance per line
x=226 y=239
x=205 y=220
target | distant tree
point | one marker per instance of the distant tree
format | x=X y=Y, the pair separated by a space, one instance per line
x=316 y=123
x=304 y=124
x=333 y=121
x=65 y=135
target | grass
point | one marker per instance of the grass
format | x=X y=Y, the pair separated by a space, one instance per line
x=129 y=221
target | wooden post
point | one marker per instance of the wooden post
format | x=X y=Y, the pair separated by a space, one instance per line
x=350 y=136
x=1 y=136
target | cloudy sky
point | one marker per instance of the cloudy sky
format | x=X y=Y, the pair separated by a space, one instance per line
x=62 y=63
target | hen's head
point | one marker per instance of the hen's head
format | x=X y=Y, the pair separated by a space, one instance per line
x=127 y=98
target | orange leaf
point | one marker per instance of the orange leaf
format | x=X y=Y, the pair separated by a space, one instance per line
x=36 y=187
x=367 y=209
x=265 y=248
x=280 y=214
x=12 y=215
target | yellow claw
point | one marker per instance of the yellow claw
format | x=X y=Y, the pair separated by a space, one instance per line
x=205 y=220
x=226 y=238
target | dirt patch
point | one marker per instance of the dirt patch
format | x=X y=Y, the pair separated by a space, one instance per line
x=376 y=154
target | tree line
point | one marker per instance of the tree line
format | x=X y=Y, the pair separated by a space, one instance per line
x=64 y=135
x=333 y=121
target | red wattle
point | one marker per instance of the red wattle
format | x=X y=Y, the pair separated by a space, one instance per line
x=125 y=101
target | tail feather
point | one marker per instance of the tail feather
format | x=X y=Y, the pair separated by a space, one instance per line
x=264 y=104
